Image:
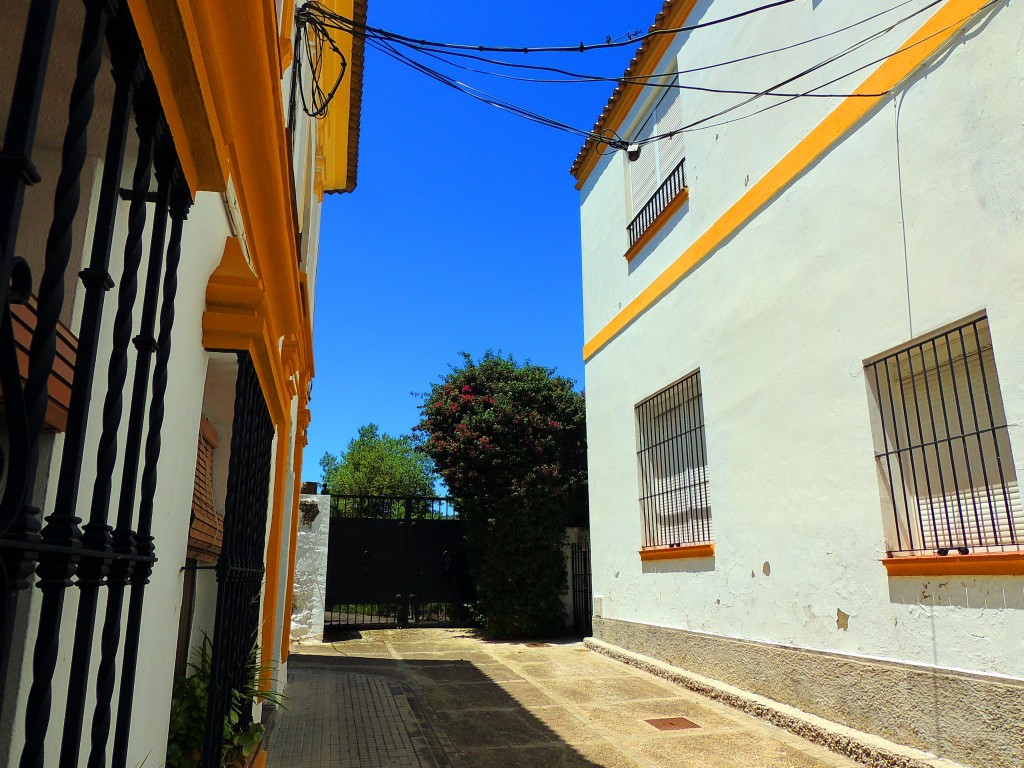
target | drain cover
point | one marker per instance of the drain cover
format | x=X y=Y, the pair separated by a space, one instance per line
x=538 y=645
x=672 y=723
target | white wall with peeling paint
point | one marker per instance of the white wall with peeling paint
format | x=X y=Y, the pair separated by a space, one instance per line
x=311 y=569
x=912 y=221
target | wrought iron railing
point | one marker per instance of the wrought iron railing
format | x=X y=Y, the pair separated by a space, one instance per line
x=943 y=446
x=113 y=553
x=240 y=565
x=393 y=507
x=672 y=461
x=669 y=190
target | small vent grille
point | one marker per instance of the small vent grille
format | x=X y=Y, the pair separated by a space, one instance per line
x=672 y=723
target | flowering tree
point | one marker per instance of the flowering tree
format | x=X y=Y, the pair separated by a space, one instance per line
x=509 y=441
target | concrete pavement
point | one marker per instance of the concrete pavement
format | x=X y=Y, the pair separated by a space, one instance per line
x=441 y=698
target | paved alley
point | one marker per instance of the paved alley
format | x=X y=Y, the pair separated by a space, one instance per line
x=445 y=698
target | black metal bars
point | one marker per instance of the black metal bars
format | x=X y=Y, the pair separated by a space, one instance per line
x=94 y=558
x=672 y=466
x=393 y=507
x=240 y=565
x=943 y=447
x=582 y=591
x=669 y=190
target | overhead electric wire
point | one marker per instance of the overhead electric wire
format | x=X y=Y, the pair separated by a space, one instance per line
x=619 y=143
x=966 y=19
x=830 y=60
x=477 y=94
x=576 y=77
x=328 y=14
x=321 y=19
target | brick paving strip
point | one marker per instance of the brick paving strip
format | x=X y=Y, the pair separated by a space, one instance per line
x=339 y=719
x=447 y=699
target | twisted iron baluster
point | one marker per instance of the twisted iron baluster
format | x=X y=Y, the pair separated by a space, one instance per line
x=122 y=541
x=17 y=173
x=180 y=203
x=61 y=532
x=128 y=71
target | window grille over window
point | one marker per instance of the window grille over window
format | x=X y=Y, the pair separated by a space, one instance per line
x=672 y=464
x=942 y=446
x=656 y=176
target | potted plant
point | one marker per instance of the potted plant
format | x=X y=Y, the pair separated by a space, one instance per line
x=241 y=740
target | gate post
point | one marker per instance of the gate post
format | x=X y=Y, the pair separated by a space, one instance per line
x=403 y=603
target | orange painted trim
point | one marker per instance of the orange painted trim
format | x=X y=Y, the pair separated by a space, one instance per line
x=170 y=39
x=932 y=35
x=660 y=221
x=677 y=553
x=620 y=104
x=237 y=317
x=273 y=559
x=982 y=564
x=246 y=85
x=285 y=43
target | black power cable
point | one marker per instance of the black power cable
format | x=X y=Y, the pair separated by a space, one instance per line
x=313 y=7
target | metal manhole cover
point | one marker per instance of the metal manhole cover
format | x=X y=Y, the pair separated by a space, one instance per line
x=672 y=723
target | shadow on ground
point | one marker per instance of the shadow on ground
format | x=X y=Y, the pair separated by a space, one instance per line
x=463 y=713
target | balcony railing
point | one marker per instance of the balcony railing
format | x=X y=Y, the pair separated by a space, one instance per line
x=669 y=190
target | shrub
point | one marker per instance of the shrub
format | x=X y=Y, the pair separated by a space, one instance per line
x=509 y=441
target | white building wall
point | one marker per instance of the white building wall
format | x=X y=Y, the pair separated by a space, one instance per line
x=779 y=320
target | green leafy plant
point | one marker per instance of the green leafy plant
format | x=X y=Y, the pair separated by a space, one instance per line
x=377 y=464
x=509 y=441
x=188 y=712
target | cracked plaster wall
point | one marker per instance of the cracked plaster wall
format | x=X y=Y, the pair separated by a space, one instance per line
x=310 y=569
x=779 y=320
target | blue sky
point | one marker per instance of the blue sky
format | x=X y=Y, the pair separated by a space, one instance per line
x=463 y=232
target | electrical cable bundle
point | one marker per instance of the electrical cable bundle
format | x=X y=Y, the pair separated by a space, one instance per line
x=415 y=54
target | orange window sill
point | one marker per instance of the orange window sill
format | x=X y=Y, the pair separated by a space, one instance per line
x=659 y=222
x=677 y=553
x=983 y=564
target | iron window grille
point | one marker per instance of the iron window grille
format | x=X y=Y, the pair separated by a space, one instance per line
x=656 y=175
x=669 y=190
x=942 y=446
x=672 y=466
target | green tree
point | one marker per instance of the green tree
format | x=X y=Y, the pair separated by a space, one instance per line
x=377 y=464
x=509 y=440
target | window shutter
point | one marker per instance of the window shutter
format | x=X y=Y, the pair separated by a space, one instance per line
x=643 y=172
x=965 y=489
x=206 y=530
x=670 y=118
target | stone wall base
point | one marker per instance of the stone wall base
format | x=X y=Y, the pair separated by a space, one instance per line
x=969 y=718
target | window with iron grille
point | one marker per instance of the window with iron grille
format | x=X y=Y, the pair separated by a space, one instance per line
x=942 y=446
x=672 y=466
x=656 y=177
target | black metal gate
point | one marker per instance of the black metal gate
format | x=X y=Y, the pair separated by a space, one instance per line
x=396 y=562
x=582 y=594
x=240 y=565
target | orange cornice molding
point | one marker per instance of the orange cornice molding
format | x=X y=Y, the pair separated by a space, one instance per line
x=170 y=40
x=673 y=14
x=285 y=44
x=245 y=78
x=237 y=318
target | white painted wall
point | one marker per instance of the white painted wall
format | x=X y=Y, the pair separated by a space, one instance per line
x=311 y=572
x=779 y=321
